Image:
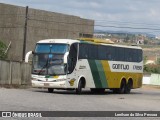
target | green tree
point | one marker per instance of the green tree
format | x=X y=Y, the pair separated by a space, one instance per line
x=145 y=59
x=152 y=69
x=146 y=42
x=3 y=47
x=158 y=61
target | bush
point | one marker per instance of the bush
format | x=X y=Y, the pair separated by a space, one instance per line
x=3 y=47
x=152 y=68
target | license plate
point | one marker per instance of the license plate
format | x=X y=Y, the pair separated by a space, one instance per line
x=46 y=84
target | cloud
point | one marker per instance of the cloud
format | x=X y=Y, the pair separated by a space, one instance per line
x=133 y=11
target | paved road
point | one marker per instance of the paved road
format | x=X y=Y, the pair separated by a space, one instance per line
x=40 y=100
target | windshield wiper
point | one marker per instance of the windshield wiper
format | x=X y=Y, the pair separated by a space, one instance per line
x=44 y=66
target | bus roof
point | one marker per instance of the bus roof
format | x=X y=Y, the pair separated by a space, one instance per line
x=65 y=41
x=87 y=40
x=96 y=40
x=106 y=43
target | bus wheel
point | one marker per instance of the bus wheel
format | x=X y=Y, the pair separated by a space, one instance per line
x=122 y=88
x=50 y=90
x=79 y=89
x=128 y=87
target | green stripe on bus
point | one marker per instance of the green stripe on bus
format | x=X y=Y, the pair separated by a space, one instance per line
x=95 y=73
x=101 y=74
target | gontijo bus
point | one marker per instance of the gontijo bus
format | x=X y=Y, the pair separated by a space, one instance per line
x=86 y=63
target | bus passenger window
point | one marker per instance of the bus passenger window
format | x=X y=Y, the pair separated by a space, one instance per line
x=83 y=51
x=72 y=59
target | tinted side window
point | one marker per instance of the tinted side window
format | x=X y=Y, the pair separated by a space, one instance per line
x=83 y=51
x=88 y=51
x=92 y=51
x=106 y=53
x=72 y=59
x=133 y=55
x=139 y=53
x=102 y=53
x=128 y=55
x=73 y=51
x=119 y=54
x=111 y=51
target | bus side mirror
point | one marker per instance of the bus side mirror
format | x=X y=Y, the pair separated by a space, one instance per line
x=27 y=56
x=65 y=57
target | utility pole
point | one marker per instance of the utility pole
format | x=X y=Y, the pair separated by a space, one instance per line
x=25 y=34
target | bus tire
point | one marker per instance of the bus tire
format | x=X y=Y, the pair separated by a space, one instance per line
x=122 y=88
x=50 y=90
x=79 y=89
x=128 y=87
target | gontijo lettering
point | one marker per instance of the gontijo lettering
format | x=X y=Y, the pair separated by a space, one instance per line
x=120 y=66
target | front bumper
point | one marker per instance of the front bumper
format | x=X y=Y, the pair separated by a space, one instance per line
x=60 y=84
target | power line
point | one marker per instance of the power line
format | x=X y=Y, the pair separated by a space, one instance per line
x=99 y=21
x=129 y=27
x=123 y=22
x=127 y=24
x=113 y=26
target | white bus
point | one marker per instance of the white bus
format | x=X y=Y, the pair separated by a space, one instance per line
x=86 y=63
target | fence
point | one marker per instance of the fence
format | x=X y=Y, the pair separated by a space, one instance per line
x=18 y=73
x=153 y=79
x=14 y=73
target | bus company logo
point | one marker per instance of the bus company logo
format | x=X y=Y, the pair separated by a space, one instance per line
x=6 y=114
x=120 y=66
x=71 y=82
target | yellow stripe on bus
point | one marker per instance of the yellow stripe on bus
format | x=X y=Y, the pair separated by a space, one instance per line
x=114 y=78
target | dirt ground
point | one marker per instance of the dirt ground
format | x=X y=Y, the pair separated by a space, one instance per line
x=148 y=87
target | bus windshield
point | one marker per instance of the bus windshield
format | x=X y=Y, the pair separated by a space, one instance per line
x=51 y=48
x=48 y=64
x=48 y=59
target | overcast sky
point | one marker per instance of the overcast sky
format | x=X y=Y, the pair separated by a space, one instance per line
x=115 y=13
